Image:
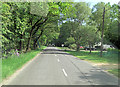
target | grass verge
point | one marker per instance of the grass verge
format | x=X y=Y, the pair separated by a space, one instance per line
x=108 y=61
x=115 y=72
x=95 y=57
x=13 y=63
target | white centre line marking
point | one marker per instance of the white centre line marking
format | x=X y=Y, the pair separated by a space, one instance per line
x=58 y=60
x=64 y=72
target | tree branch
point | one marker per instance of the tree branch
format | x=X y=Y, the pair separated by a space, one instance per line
x=38 y=25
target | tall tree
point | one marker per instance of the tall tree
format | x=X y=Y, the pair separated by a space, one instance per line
x=82 y=14
x=101 y=14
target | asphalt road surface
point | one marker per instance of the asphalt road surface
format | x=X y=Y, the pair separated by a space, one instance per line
x=55 y=67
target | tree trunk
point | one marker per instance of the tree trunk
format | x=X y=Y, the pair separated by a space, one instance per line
x=35 y=41
x=101 y=53
x=20 y=43
x=33 y=27
x=34 y=45
x=90 y=49
x=28 y=44
x=78 y=47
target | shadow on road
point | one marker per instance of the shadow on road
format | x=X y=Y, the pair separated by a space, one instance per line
x=54 y=51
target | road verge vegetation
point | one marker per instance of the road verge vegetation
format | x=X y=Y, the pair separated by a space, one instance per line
x=13 y=63
x=109 y=62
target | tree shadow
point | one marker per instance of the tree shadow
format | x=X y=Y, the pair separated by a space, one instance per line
x=100 y=78
x=54 y=51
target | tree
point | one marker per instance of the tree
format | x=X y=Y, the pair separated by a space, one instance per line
x=91 y=36
x=101 y=14
x=65 y=31
x=74 y=28
x=112 y=33
x=82 y=13
x=27 y=22
x=54 y=10
x=51 y=33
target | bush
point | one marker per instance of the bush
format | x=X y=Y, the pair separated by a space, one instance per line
x=73 y=46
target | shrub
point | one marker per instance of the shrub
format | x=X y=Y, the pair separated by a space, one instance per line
x=73 y=46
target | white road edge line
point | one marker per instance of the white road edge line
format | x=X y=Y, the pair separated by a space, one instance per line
x=64 y=72
x=58 y=60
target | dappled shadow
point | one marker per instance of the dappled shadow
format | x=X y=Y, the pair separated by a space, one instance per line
x=100 y=77
x=54 y=51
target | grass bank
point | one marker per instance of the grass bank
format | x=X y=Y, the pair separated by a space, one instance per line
x=109 y=61
x=116 y=72
x=13 y=63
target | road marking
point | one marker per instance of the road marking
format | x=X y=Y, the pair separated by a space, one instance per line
x=55 y=55
x=64 y=72
x=58 y=60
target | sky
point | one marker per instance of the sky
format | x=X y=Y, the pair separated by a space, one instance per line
x=93 y=2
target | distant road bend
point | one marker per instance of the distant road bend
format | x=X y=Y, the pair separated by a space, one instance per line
x=55 y=67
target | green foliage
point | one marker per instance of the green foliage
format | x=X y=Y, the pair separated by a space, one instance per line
x=40 y=9
x=73 y=46
x=110 y=21
x=91 y=36
x=26 y=23
x=113 y=28
x=23 y=24
x=98 y=14
x=70 y=40
x=82 y=11
x=78 y=30
x=65 y=31
x=51 y=32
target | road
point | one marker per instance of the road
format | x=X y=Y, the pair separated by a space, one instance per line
x=55 y=67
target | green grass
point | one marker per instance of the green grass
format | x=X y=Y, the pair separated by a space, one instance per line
x=115 y=72
x=95 y=56
x=13 y=63
x=108 y=57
